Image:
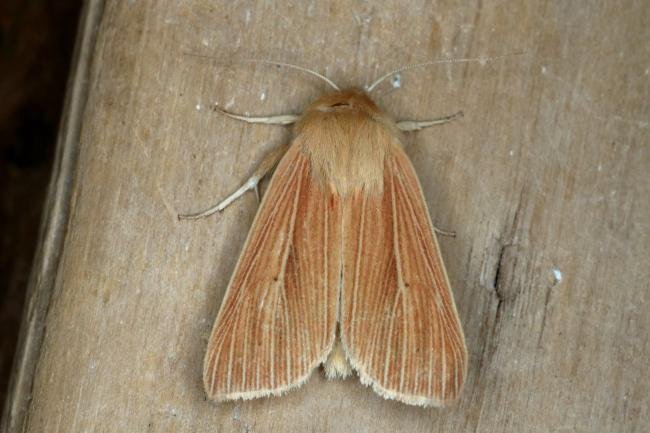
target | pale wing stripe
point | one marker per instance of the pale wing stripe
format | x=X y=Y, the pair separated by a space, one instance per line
x=246 y=328
x=405 y=341
x=410 y=214
x=269 y=334
x=433 y=358
x=301 y=268
x=443 y=306
x=229 y=321
x=230 y=356
x=285 y=248
x=281 y=282
x=308 y=274
x=417 y=236
x=271 y=347
x=271 y=337
x=326 y=272
x=213 y=367
x=305 y=341
x=451 y=331
x=437 y=355
x=357 y=268
x=367 y=275
x=401 y=290
x=301 y=338
x=414 y=330
x=442 y=330
x=303 y=271
x=399 y=282
x=411 y=225
x=341 y=305
x=379 y=282
x=297 y=305
x=267 y=230
x=314 y=266
x=379 y=315
x=238 y=298
x=406 y=336
x=389 y=342
x=440 y=284
x=443 y=358
x=287 y=338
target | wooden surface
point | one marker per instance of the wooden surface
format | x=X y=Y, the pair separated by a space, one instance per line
x=545 y=180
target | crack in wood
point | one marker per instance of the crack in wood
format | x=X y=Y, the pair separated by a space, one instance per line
x=496 y=283
x=499 y=282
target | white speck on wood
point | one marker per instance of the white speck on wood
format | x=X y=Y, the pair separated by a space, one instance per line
x=557 y=275
x=396 y=81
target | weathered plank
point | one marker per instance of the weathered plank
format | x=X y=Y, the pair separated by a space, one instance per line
x=545 y=181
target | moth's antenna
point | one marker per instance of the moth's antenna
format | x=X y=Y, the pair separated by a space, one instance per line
x=270 y=62
x=481 y=60
x=299 y=68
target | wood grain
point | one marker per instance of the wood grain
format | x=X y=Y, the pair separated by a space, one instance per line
x=546 y=174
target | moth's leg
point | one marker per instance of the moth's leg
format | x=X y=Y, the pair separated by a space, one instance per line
x=415 y=125
x=268 y=163
x=444 y=232
x=282 y=119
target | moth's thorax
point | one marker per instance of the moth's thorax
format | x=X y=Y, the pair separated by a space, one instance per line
x=346 y=137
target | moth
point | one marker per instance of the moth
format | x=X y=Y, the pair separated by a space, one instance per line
x=341 y=267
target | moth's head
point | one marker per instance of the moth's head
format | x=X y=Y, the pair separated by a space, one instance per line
x=345 y=101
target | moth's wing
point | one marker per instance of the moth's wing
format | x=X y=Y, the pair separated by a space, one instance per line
x=399 y=323
x=277 y=321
